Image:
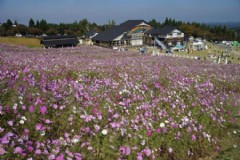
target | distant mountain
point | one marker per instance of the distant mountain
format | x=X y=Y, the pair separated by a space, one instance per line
x=230 y=25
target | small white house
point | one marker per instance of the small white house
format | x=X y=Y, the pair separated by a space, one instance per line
x=18 y=35
x=196 y=44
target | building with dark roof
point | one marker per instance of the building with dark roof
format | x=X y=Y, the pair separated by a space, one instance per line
x=168 y=35
x=129 y=33
x=59 y=41
x=87 y=38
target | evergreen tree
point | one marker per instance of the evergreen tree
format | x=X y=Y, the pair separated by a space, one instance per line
x=38 y=24
x=166 y=21
x=43 y=25
x=15 y=22
x=9 y=24
x=31 y=23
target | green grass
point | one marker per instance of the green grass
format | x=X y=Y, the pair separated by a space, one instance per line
x=211 y=50
x=23 y=41
x=204 y=54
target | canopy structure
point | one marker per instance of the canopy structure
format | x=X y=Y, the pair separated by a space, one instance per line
x=178 y=46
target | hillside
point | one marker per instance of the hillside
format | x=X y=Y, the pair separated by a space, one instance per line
x=95 y=103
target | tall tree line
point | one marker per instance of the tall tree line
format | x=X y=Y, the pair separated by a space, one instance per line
x=39 y=27
x=215 y=33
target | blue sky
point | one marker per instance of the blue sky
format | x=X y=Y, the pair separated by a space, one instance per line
x=101 y=11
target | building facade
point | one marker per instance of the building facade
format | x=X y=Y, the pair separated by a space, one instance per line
x=129 y=33
x=165 y=37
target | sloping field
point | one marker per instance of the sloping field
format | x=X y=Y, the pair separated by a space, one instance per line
x=29 y=42
x=95 y=103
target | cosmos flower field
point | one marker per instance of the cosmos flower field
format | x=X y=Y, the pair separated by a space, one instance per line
x=96 y=103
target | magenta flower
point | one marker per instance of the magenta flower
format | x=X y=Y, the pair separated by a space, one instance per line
x=29 y=148
x=158 y=130
x=31 y=109
x=149 y=133
x=60 y=157
x=43 y=110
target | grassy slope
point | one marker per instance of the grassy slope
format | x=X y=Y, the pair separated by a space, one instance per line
x=29 y=42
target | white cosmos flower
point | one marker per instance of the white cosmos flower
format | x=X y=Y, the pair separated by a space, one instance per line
x=166 y=121
x=104 y=132
x=15 y=106
x=75 y=140
x=162 y=125
x=42 y=133
x=21 y=121
x=24 y=118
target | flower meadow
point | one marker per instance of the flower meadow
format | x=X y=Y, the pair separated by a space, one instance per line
x=96 y=103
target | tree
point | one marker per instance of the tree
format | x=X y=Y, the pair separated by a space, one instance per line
x=43 y=25
x=2 y=31
x=31 y=23
x=166 y=21
x=21 y=29
x=9 y=23
x=83 y=26
x=35 y=31
x=51 y=31
x=38 y=24
x=153 y=23
x=15 y=22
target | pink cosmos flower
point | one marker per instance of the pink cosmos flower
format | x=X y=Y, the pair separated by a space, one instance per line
x=60 y=157
x=128 y=150
x=26 y=131
x=158 y=130
x=29 y=148
x=23 y=107
x=51 y=157
x=2 y=151
x=31 y=109
x=43 y=110
x=125 y=150
x=38 y=152
x=149 y=133
x=38 y=126
x=10 y=123
x=55 y=106
x=139 y=156
x=115 y=125
x=18 y=150
x=147 y=152
x=194 y=137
